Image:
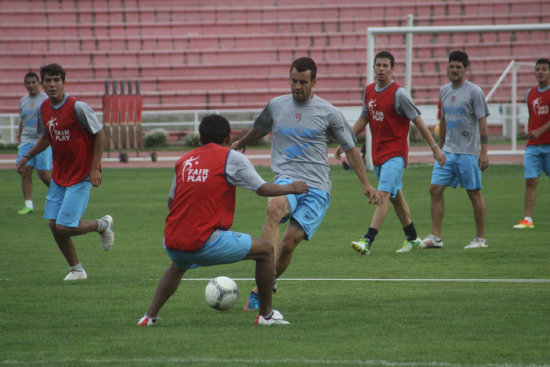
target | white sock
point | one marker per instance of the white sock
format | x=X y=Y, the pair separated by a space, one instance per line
x=28 y=204
x=102 y=225
x=77 y=267
x=528 y=219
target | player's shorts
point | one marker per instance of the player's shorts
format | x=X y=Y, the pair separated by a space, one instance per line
x=306 y=209
x=67 y=204
x=222 y=247
x=389 y=175
x=41 y=161
x=536 y=160
x=460 y=169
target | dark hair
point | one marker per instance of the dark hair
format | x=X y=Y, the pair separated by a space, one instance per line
x=31 y=74
x=52 y=69
x=459 y=56
x=543 y=61
x=303 y=64
x=385 y=55
x=214 y=129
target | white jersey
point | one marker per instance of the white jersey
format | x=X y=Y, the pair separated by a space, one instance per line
x=301 y=133
x=29 y=109
x=462 y=108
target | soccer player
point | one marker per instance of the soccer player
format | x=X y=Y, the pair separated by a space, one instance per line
x=388 y=110
x=301 y=124
x=76 y=136
x=463 y=136
x=537 y=151
x=28 y=112
x=202 y=206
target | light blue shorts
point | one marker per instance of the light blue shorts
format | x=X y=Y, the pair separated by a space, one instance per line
x=306 y=209
x=389 y=175
x=536 y=160
x=460 y=169
x=67 y=204
x=222 y=247
x=41 y=161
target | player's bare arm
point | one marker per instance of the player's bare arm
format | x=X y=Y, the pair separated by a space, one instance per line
x=95 y=173
x=359 y=125
x=484 y=140
x=533 y=134
x=356 y=162
x=436 y=150
x=250 y=135
x=273 y=189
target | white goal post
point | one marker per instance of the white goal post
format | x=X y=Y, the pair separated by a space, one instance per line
x=409 y=30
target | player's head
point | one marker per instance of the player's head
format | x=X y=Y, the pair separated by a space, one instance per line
x=32 y=83
x=52 y=69
x=303 y=76
x=214 y=129
x=542 y=72
x=53 y=82
x=385 y=55
x=383 y=68
x=459 y=56
x=458 y=63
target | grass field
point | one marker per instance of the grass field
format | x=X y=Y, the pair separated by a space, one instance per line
x=449 y=307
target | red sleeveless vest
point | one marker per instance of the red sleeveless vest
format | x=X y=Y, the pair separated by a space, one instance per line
x=539 y=114
x=203 y=199
x=389 y=130
x=72 y=146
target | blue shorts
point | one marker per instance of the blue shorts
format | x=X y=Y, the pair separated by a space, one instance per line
x=41 y=161
x=389 y=175
x=67 y=204
x=306 y=209
x=460 y=169
x=536 y=160
x=222 y=247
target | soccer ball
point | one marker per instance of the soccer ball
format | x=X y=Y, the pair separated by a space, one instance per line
x=221 y=293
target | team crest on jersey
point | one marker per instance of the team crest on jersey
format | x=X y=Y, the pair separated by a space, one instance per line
x=58 y=135
x=191 y=174
x=297 y=117
x=453 y=99
x=538 y=107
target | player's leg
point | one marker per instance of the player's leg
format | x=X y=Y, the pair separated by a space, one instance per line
x=45 y=176
x=293 y=235
x=533 y=165
x=168 y=284
x=530 y=196
x=26 y=188
x=277 y=208
x=262 y=252
x=480 y=211
x=437 y=208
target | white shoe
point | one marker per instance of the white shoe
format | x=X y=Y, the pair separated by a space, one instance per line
x=275 y=319
x=477 y=243
x=148 y=321
x=431 y=241
x=107 y=235
x=76 y=275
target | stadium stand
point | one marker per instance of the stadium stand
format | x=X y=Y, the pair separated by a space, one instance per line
x=196 y=54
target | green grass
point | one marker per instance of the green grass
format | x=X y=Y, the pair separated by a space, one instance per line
x=368 y=318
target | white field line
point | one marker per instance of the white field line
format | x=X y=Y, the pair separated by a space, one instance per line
x=457 y=280
x=259 y=362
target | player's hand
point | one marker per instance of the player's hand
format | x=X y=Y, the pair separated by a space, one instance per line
x=21 y=164
x=533 y=134
x=237 y=146
x=439 y=156
x=95 y=177
x=300 y=187
x=483 y=161
x=338 y=153
x=372 y=194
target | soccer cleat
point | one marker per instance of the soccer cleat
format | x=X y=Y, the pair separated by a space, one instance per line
x=253 y=302
x=148 y=321
x=362 y=246
x=410 y=245
x=276 y=318
x=431 y=241
x=107 y=235
x=525 y=224
x=25 y=210
x=76 y=275
x=477 y=243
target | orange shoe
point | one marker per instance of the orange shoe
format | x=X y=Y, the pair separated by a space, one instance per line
x=525 y=224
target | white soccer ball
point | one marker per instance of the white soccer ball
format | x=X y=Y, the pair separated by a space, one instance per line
x=221 y=293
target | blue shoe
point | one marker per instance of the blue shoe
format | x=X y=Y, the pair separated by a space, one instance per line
x=253 y=302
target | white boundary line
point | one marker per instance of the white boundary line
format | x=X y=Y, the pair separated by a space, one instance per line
x=457 y=280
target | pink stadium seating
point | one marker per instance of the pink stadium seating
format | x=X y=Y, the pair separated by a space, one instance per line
x=235 y=54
